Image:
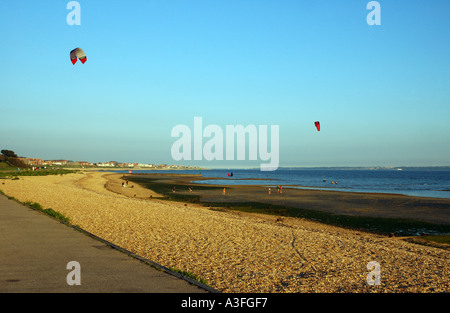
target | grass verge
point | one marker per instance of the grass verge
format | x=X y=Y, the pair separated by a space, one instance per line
x=15 y=174
x=190 y=275
x=55 y=214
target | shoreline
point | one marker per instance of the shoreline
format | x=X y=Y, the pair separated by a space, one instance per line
x=430 y=194
x=235 y=251
x=383 y=205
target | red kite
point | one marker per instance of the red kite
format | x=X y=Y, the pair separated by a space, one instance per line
x=317 y=125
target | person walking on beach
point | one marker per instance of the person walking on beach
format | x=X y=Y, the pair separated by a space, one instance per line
x=269 y=191
x=224 y=190
x=281 y=189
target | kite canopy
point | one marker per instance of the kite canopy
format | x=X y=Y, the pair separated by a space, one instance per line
x=77 y=53
x=317 y=125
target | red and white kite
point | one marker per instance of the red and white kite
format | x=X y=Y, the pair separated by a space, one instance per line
x=77 y=53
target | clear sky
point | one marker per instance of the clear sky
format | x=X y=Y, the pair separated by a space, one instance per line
x=380 y=92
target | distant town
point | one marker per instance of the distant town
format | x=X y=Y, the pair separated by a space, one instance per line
x=111 y=164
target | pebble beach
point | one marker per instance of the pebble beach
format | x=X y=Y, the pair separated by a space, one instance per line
x=233 y=251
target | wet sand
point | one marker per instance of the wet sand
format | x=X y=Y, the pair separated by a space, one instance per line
x=234 y=251
x=384 y=205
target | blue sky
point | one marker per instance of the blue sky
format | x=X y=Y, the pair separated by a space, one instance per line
x=381 y=92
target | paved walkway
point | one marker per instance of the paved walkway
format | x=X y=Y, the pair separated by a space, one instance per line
x=35 y=250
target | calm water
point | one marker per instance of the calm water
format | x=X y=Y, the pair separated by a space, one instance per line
x=425 y=183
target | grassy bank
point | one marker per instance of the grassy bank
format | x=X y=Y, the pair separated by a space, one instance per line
x=27 y=172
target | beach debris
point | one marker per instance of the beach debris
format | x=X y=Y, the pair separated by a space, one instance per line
x=317 y=123
x=76 y=54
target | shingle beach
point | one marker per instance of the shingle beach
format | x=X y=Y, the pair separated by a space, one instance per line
x=236 y=252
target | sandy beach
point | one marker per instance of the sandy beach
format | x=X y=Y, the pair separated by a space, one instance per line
x=240 y=252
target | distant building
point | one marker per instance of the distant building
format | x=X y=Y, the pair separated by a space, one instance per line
x=145 y=165
x=107 y=164
x=33 y=161
x=80 y=163
x=56 y=162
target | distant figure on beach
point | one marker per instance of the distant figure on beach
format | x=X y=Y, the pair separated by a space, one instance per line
x=224 y=190
x=278 y=189
x=269 y=191
x=173 y=189
x=281 y=189
x=190 y=189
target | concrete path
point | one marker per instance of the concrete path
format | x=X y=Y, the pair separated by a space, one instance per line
x=35 y=251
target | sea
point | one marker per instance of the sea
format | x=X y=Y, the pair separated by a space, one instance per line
x=420 y=182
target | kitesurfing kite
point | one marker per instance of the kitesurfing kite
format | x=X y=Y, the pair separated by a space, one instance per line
x=317 y=125
x=77 y=53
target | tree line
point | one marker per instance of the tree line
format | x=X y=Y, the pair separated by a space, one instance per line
x=11 y=158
